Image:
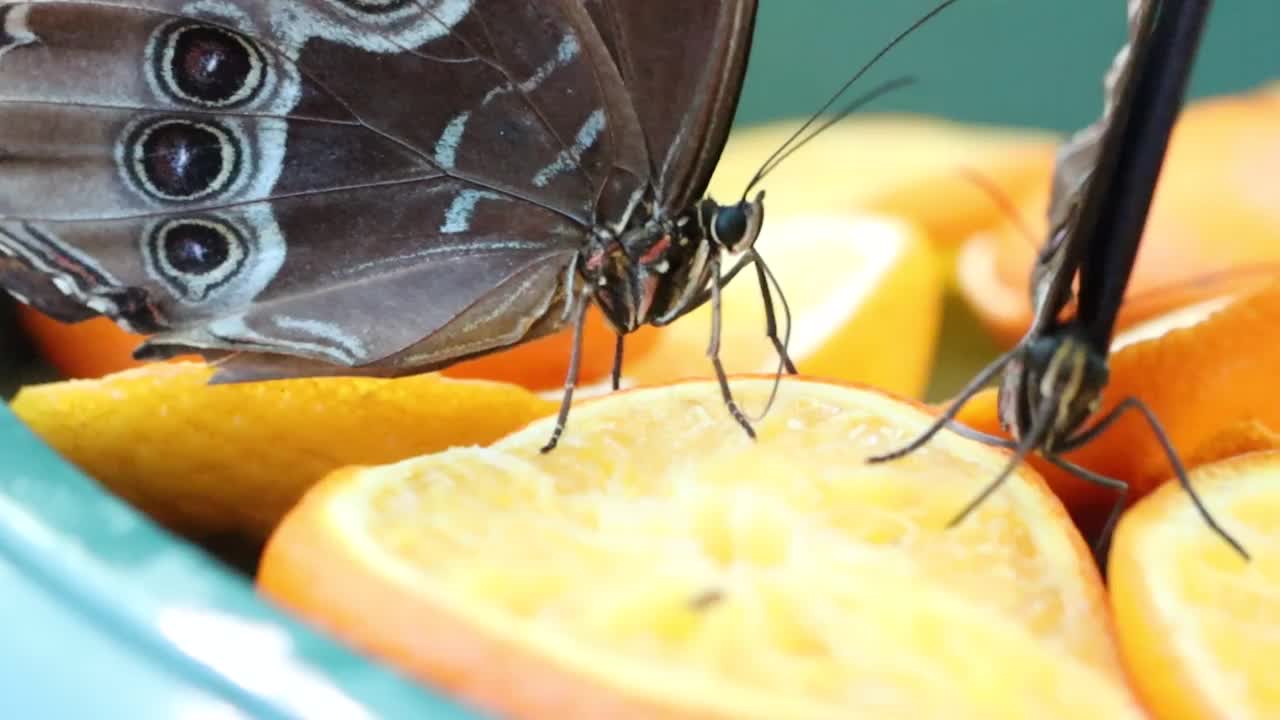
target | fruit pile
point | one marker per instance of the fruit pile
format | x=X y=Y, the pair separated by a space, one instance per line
x=660 y=564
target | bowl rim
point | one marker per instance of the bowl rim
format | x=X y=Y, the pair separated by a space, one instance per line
x=90 y=557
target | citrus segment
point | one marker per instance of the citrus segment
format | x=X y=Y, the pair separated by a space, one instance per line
x=1197 y=623
x=865 y=294
x=660 y=564
x=231 y=459
x=1208 y=374
x=1214 y=225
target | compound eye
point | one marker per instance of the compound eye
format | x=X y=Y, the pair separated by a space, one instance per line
x=731 y=225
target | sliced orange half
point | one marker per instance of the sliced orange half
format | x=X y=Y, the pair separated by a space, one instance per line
x=1197 y=623
x=658 y=564
x=1214 y=224
x=868 y=161
x=1207 y=371
x=98 y=347
x=866 y=303
x=88 y=349
x=231 y=459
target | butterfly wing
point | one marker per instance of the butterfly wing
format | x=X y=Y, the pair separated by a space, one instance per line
x=1077 y=165
x=683 y=64
x=319 y=178
x=1149 y=101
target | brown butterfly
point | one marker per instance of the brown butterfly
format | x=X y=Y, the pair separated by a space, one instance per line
x=375 y=187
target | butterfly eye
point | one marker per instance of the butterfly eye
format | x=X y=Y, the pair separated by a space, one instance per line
x=731 y=225
x=736 y=226
x=180 y=160
x=207 y=66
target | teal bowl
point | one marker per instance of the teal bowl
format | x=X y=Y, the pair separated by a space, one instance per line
x=105 y=614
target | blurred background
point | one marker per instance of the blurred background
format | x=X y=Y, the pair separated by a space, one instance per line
x=1012 y=62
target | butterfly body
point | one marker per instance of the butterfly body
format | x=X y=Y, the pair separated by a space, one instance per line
x=1104 y=183
x=305 y=187
x=1057 y=370
x=1053 y=380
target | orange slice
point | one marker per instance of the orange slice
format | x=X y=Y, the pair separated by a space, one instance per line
x=98 y=347
x=658 y=564
x=868 y=161
x=542 y=364
x=1214 y=226
x=92 y=348
x=231 y=459
x=866 y=302
x=1196 y=622
x=1206 y=371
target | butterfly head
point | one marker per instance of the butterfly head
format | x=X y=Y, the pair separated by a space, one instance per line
x=658 y=271
x=732 y=228
x=1052 y=387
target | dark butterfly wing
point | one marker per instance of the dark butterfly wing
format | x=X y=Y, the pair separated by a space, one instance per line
x=323 y=178
x=683 y=65
x=1076 y=167
x=1161 y=69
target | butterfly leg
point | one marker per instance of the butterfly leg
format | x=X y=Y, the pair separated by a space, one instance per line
x=943 y=420
x=986 y=439
x=615 y=377
x=764 y=276
x=713 y=352
x=1103 y=542
x=571 y=379
x=1039 y=428
x=1133 y=403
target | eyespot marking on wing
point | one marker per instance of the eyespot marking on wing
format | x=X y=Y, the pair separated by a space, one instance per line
x=181 y=160
x=195 y=256
x=206 y=66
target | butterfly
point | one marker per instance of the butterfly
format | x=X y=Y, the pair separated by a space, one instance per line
x=1103 y=184
x=376 y=187
x=318 y=187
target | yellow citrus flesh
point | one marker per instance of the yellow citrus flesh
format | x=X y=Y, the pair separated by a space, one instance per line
x=231 y=459
x=855 y=285
x=1197 y=623
x=866 y=161
x=660 y=564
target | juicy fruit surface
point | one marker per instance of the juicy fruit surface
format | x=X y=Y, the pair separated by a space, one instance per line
x=851 y=283
x=232 y=459
x=661 y=554
x=1198 y=623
